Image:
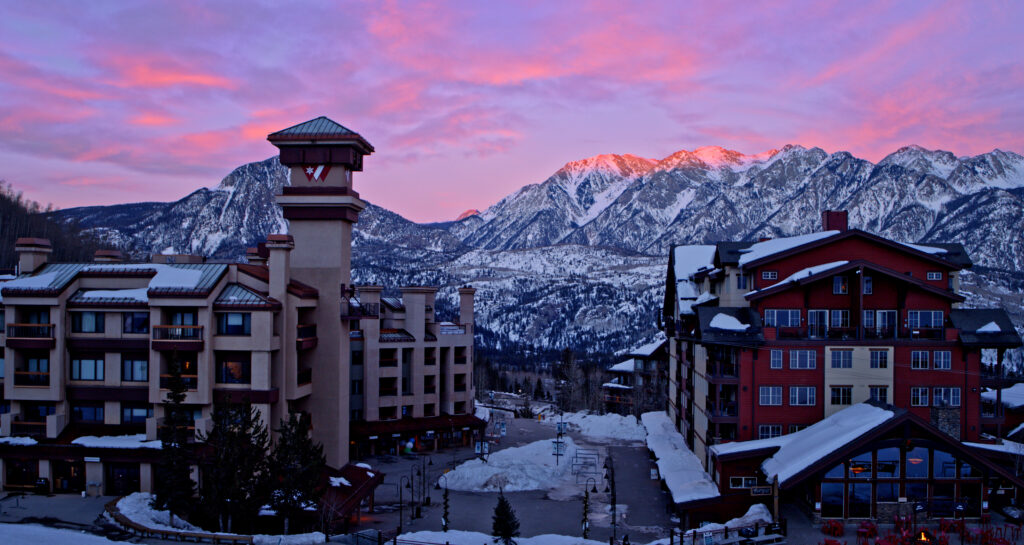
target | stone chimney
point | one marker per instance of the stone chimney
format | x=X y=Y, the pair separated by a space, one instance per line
x=466 y=306
x=257 y=255
x=108 y=256
x=834 y=220
x=947 y=419
x=32 y=253
x=279 y=249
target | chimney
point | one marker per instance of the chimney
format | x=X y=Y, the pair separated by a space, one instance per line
x=257 y=255
x=279 y=249
x=834 y=220
x=108 y=256
x=466 y=306
x=32 y=253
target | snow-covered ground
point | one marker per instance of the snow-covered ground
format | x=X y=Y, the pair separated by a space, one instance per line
x=137 y=508
x=602 y=427
x=529 y=467
x=43 y=535
x=682 y=471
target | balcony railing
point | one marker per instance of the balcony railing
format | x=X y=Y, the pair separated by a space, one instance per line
x=388 y=362
x=385 y=392
x=620 y=400
x=29 y=428
x=723 y=409
x=30 y=331
x=305 y=331
x=31 y=378
x=191 y=382
x=460 y=388
x=817 y=332
x=452 y=329
x=177 y=333
x=363 y=310
x=305 y=376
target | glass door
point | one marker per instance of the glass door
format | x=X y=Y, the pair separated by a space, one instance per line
x=886 y=324
x=817 y=323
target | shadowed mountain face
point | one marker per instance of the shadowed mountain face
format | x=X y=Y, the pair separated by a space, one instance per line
x=577 y=260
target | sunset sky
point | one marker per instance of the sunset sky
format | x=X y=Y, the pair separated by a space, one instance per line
x=108 y=102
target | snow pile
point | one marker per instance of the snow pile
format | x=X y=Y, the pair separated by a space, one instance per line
x=809 y=445
x=529 y=467
x=603 y=427
x=137 y=508
x=483 y=413
x=461 y=537
x=1013 y=397
x=771 y=247
x=339 y=481
x=116 y=441
x=990 y=327
x=137 y=294
x=757 y=514
x=679 y=467
x=21 y=441
x=724 y=321
x=42 y=535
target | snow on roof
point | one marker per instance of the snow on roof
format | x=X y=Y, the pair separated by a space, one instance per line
x=807 y=273
x=117 y=441
x=679 y=467
x=757 y=514
x=38 y=281
x=651 y=347
x=17 y=441
x=1014 y=431
x=809 y=445
x=926 y=249
x=686 y=306
x=339 y=481
x=1012 y=397
x=627 y=366
x=746 y=446
x=137 y=294
x=1005 y=445
x=724 y=321
x=990 y=327
x=616 y=385
x=167 y=276
x=690 y=259
x=778 y=245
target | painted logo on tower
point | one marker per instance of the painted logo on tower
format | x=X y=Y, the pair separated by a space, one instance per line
x=316 y=173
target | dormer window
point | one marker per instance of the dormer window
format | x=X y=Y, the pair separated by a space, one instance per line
x=934 y=275
x=769 y=275
x=840 y=285
x=868 y=286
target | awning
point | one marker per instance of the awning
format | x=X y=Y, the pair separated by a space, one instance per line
x=410 y=426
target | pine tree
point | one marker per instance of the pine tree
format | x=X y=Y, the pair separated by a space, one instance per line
x=297 y=463
x=586 y=513
x=445 y=514
x=538 y=389
x=505 y=526
x=235 y=469
x=173 y=486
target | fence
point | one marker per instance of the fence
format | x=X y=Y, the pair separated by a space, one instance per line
x=137 y=529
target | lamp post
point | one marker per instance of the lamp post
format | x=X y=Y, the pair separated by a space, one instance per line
x=400 y=514
x=444 y=501
x=609 y=466
x=413 y=506
x=422 y=474
x=588 y=487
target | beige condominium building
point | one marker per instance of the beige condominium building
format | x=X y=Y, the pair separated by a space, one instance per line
x=87 y=347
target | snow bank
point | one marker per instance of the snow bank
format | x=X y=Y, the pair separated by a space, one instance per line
x=604 y=427
x=117 y=441
x=990 y=327
x=137 y=508
x=757 y=514
x=778 y=245
x=809 y=445
x=460 y=537
x=925 y=249
x=43 y=535
x=529 y=467
x=679 y=467
x=724 y=321
x=17 y=441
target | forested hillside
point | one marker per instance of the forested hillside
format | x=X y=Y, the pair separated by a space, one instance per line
x=20 y=217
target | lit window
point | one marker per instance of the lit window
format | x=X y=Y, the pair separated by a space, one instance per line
x=840 y=285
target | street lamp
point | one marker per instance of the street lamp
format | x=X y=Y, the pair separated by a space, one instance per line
x=609 y=465
x=588 y=486
x=400 y=515
x=444 y=501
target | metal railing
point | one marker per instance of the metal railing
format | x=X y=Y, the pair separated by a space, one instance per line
x=191 y=382
x=305 y=331
x=31 y=378
x=363 y=310
x=30 y=331
x=452 y=329
x=177 y=333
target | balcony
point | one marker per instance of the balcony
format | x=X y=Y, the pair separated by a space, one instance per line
x=305 y=336
x=817 y=332
x=618 y=399
x=31 y=336
x=388 y=392
x=30 y=428
x=178 y=337
x=191 y=382
x=304 y=377
x=32 y=378
x=452 y=329
x=723 y=410
x=360 y=311
x=388 y=362
x=721 y=371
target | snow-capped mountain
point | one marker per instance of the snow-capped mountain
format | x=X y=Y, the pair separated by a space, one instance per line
x=577 y=260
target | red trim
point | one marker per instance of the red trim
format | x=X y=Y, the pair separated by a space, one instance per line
x=784 y=286
x=847 y=234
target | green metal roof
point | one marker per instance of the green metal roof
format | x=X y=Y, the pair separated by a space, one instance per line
x=239 y=295
x=320 y=127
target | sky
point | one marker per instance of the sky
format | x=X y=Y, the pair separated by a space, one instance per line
x=465 y=102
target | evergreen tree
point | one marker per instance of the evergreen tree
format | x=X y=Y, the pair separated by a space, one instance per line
x=173 y=486
x=505 y=526
x=296 y=463
x=235 y=469
x=538 y=389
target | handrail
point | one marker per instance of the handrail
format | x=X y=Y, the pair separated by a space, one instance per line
x=30 y=331
x=177 y=332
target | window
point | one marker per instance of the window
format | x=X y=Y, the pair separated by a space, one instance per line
x=869 y=287
x=842 y=395
x=802 y=396
x=840 y=318
x=842 y=359
x=356 y=415
x=134 y=368
x=943 y=359
x=840 y=285
x=87 y=322
x=776 y=359
x=87 y=413
x=234 y=368
x=919 y=359
x=879 y=359
x=429 y=409
x=741 y=281
x=1 y=364
x=767 y=431
x=87 y=368
x=771 y=395
x=934 y=275
x=782 y=317
x=769 y=275
x=460 y=407
x=388 y=413
x=357 y=386
x=742 y=482
x=135 y=415
x=793 y=428
x=869 y=319
x=234 y=323
x=924 y=318
x=918 y=396
x=135 y=322
x=406 y=411
x=946 y=397
x=388 y=357
x=184 y=318
x=880 y=394
x=803 y=359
